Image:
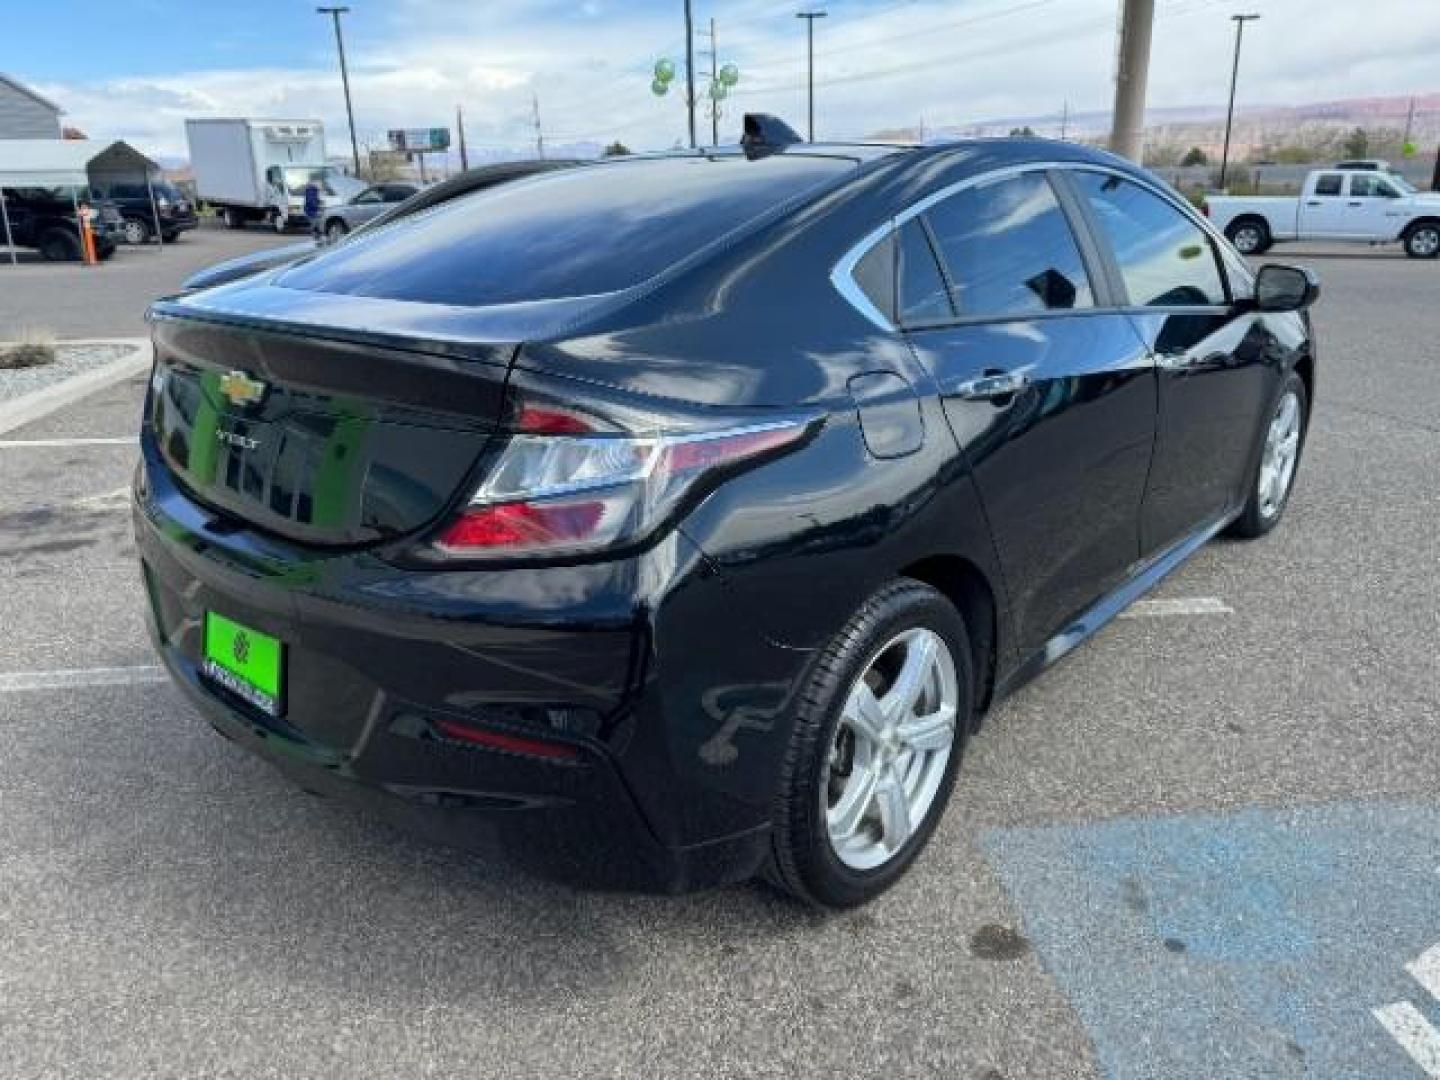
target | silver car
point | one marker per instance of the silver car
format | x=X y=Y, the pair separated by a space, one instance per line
x=372 y=202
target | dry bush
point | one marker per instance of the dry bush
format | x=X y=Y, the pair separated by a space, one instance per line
x=33 y=348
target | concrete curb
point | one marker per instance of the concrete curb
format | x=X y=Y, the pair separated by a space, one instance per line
x=31 y=407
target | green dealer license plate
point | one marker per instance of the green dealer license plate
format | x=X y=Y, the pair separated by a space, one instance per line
x=249 y=664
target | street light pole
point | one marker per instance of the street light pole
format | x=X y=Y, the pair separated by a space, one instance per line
x=810 y=17
x=1240 y=21
x=690 y=69
x=335 y=13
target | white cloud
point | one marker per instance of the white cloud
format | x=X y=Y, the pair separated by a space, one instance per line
x=953 y=64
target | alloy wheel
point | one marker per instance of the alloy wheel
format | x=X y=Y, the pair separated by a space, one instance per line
x=135 y=231
x=1247 y=239
x=1282 y=451
x=890 y=750
x=1425 y=242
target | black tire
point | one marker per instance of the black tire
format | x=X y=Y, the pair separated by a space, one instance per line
x=59 y=245
x=335 y=230
x=803 y=860
x=1422 y=241
x=170 y=237
x=136 y=230
x=1241 y=231
x=233 y=218
x=1255 y=521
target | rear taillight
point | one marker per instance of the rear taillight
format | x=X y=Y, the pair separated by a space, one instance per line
x=558 y=489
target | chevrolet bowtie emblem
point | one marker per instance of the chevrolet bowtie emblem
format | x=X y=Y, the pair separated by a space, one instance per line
x=240 y=389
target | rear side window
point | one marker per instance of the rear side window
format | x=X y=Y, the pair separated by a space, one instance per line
x=1165 y=258
x=874 y=274
x=923 y=296
x=1329 y=184
x=1009 y=250
x=573 y=232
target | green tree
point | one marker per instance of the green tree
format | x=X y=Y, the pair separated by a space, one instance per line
x=1194 y=156
x=1356 y=144
x=616 y=149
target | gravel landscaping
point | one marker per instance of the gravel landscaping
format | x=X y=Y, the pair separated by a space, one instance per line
x=71 y=360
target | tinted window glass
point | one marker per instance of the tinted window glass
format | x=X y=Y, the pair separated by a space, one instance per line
x=1371 y=187
x=1328 y=184
x=1009 y=249
x=875 y=275
x=569 y=233
x=1165 y=258
x=923 y=297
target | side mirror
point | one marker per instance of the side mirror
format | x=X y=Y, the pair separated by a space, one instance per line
x=1285 y=288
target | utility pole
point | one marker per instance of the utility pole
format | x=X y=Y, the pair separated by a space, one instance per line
x=714 y=73
x=690 y=70
x=1240 y=21
x=1127 y=131
x=1064 y=120
x=460 y=127
x=1409 y=126
x=810 y=17
x=335 y=13
x=539 y=134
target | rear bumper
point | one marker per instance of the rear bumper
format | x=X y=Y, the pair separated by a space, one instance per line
x=379 y=658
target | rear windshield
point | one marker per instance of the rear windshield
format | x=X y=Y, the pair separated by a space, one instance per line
x=574 y=232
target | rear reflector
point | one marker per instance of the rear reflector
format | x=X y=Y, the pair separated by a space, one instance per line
x=499 y=740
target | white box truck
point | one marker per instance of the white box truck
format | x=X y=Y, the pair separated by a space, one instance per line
x=257 y=170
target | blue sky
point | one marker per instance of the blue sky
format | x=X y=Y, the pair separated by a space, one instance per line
x=137 y=68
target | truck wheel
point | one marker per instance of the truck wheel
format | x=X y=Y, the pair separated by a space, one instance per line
x=1250 y=237
x=1423 y=241
x=135 y=230
x=233 y=218
x=58 y=245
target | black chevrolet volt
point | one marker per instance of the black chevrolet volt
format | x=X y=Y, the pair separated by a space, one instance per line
x=673 y=520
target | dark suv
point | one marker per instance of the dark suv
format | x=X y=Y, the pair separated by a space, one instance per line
x=44 y=219
x=174 y=212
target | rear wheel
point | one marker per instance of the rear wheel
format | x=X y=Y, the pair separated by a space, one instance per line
x=58 y=245
x=1423 y=241
x=1279 y=459
x=878 y=738
x=1250 y=236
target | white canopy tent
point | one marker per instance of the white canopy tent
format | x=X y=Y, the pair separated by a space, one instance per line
x=42 y=163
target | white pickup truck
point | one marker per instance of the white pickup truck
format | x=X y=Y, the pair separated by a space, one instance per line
x=1359 y=205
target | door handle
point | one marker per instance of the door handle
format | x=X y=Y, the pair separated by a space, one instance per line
x=1355 y=202
x=993 y=385
x=1312 y=202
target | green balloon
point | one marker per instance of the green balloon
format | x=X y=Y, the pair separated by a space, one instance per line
x=718 y=90
x=664 y=70
x=729 y=75
x=659 y=88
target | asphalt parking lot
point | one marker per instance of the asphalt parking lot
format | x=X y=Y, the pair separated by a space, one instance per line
x=109 y=300
x=1205 y=845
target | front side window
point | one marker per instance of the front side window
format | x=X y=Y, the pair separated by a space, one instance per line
x=1009 y=250
x=1371 y=187
x=1165 y=259
x=1328 y=185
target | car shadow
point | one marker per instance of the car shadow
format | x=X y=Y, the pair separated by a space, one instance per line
x=158 y=830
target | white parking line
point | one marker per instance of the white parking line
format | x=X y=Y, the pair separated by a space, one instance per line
x=54 y=444
x=16 y=682
x=1425 y=970
x=1416 y=1035
x=1193 y=605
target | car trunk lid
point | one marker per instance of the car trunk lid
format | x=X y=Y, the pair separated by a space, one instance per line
x=325 y=440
